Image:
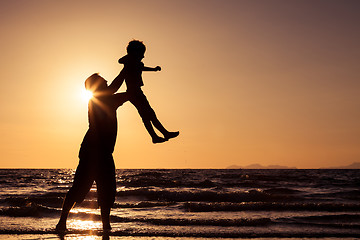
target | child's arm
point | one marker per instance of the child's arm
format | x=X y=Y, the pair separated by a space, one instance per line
x=155 y=69
x=123 y=60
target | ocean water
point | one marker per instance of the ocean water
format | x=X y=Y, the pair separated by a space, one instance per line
x=188 y=204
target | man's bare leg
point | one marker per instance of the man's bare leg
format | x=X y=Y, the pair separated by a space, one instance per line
x=105 y=218
x=67 y=205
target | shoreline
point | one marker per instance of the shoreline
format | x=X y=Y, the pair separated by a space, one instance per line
x=128 y=234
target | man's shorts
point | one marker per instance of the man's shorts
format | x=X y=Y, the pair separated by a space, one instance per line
x=102 y=171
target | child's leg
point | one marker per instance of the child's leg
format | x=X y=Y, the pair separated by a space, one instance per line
x=157 y=124
x=151 y=131
x=147 y=114
x=161 y=128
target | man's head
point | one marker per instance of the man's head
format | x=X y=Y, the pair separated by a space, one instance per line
x=95 y=83
x=136 y=48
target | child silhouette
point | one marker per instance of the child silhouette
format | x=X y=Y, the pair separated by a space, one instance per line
x=133 y=68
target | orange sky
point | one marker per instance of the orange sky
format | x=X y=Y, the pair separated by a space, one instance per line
x=269 y=82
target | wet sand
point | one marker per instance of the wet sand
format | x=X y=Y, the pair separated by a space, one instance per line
x=95 y=237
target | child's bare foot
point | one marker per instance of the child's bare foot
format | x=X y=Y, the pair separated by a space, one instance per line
x=171 y=135
x=158 y=140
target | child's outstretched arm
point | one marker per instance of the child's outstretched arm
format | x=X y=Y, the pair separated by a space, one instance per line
x=155 y=69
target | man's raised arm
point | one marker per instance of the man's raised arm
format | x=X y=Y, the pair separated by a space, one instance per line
x=117 y=82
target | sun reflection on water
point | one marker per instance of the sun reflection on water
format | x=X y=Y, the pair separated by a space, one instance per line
x=79 y=237
x=85 y=225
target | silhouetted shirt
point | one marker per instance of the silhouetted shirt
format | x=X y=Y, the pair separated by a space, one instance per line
x=101 y=135
x=133 y=73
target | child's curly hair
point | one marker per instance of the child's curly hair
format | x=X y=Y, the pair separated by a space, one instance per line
x=135 y=46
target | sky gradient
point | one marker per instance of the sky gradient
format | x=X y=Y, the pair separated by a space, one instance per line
x=268 y=82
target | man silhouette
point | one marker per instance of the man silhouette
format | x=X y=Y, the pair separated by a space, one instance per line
x=96 y=160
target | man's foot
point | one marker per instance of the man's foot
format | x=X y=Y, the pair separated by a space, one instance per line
x=169 y=135
x=106 y=228
x=158 y=140
x=60 y=227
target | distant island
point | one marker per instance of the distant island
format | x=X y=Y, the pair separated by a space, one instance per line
x=259 y=166
x=355 y=165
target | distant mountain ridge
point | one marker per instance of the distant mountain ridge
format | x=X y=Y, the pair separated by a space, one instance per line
x=259 y=166
x=355 y=165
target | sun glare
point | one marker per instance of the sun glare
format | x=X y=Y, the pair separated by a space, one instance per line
x=86 y=95
x=85 y=224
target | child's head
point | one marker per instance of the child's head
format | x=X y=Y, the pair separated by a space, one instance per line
x=95 y=83
x=136 y=48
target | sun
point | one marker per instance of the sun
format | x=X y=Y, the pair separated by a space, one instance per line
x=86 y=95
